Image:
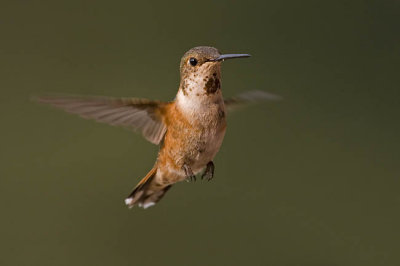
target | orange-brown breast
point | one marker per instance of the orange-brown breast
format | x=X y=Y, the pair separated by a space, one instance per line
x=186 y=142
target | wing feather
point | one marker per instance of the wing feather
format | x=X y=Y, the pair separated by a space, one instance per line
x=249 y=97
x=138 y=114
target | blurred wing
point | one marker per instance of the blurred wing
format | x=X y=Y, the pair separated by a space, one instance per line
x=249 y=97
x=138 y=114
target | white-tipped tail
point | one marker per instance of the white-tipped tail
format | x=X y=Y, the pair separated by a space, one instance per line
x=148 y=192
x=146 y=205
x=129 y=201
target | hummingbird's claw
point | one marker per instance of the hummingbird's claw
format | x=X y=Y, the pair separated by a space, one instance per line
x=209 y=172
x=190 y=177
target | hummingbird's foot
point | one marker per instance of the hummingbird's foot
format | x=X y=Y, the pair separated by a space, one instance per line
x=190 y=177
x=209 y=172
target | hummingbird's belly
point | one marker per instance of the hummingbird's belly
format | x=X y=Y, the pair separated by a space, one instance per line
x=192 y=144
x=195 y=149
x=205 y=150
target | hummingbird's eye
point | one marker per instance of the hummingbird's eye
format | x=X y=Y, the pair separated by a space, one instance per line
x=193 y=61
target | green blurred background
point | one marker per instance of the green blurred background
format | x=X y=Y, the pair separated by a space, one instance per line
x=311 y=180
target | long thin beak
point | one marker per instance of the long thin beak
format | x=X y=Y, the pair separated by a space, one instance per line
x=229 y=56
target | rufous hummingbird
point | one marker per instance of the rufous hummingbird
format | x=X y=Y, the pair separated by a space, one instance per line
x=189 y=129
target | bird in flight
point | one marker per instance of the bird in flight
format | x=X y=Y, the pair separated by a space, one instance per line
x=190 y=129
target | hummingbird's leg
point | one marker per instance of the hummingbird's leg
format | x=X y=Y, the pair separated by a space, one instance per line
x=209 y=172
x=189 y=173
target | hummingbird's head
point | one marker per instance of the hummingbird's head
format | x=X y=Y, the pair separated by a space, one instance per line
x=201 y=71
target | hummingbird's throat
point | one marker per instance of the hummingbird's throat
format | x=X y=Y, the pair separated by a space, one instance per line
x=212 y=85
x=198 y=84
x=200 y=90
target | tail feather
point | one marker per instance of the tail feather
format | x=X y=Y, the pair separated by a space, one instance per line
x=147 y=192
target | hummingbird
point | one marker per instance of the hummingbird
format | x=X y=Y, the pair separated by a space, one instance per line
x=189 y=130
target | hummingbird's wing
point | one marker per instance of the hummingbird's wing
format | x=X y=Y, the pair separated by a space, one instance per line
x=138 y=114
x=249 y=97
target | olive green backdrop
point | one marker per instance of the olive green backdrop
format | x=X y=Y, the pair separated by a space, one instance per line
x=311 y=180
